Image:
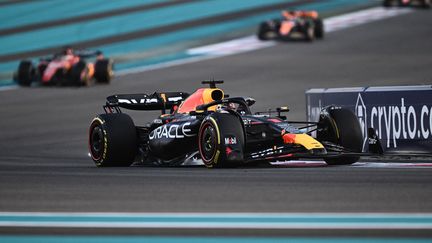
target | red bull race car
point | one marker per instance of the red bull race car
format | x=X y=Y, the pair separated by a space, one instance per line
x=76 y=68
x=218 y=131
x=293 y=25
x=406 y=3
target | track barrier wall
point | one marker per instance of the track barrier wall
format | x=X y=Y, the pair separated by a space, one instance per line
x=400 y=115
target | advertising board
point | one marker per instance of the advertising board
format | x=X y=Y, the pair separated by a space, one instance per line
x=400 y=115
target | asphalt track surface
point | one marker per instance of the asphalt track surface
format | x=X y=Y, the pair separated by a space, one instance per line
x=44 y=164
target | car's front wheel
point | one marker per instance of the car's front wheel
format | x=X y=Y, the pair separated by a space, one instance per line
x=341 y=127
x=387 y=3
x=263 y=31
x=221 y=140
x=426 y=3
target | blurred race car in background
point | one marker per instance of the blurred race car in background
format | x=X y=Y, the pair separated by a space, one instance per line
x=404 y=3
x=220 y=131
x=293 y=25
x=69 y=68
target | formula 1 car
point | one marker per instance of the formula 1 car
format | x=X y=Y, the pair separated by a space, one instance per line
x=405 y=3
x=77 y=68
x=220 y=131
x=294 y=25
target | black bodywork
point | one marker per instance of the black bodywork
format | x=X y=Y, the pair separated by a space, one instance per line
x=227 y=135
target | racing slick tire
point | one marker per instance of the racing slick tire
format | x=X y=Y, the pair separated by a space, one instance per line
x=58 y=78
x=79 y=74
x=387 y=3
x=221 y=140
x=104 y=70
x=26 y=73
x=309 y=32
x=263 y=31
x=319 y=28
x=341 y=127
x=426 y=3
x=113 y=140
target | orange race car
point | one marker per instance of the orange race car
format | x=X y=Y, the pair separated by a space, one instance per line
x=76 y=68
x=303 y=25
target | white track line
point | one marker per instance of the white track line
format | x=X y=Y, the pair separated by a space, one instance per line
x=8 y=87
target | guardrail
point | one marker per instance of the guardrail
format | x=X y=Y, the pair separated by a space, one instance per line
x=400 y=115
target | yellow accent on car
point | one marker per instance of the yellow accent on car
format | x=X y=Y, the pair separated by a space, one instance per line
x=104 y=154
x=307 y=141
x=163 y=96
x=335 y=127
x=207 y=97
x=217 y=156
x=98 y=119
x=217 y=128
x=199 y=97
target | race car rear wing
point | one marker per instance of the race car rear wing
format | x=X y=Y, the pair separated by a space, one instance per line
x=155 y=101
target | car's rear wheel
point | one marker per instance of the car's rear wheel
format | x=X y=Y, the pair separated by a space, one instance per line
x=221 y=140
x=104 y=70
x=112 y=140
x=26 y=73
x=342 y=128
x=263 y=31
